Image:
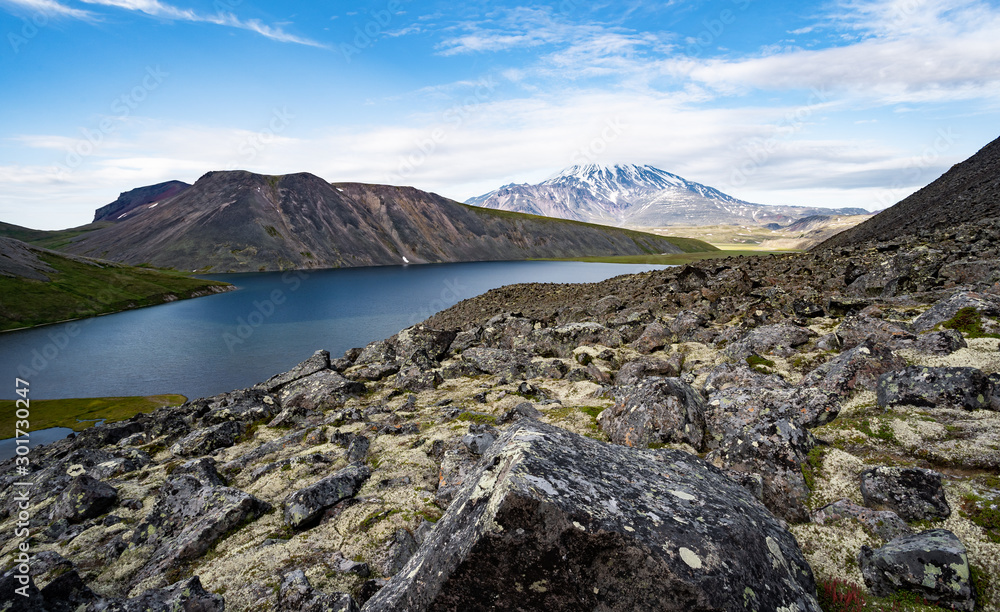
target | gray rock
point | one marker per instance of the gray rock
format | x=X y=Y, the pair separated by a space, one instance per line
x=319 y=361
x=357 y=450
x=202 y=469
x=479 y=438
x=524 y=409
x=687 y=326
x=806 y=309
x=320 y=391
x=914 y=494
x=945 y=309
x=779 y=339
x=398 y=550
x=416 y=379
x=246 y=406
x=653 y=338
x=995 y=396
x=944 y=342
x=884 y=524
x=305 y=506
x=375 y=371
x=556 y=521
x=186 y=520
x=208 y=439
x=966 y=388
x=85 y=498
x=932 y=564
x=496 y=361
x=456 y=466
x=432 y=342
x=739 y=374
x=854 y=330
x=655 y=411
x=294 y=416
x=854 y=369
x=295 y=593
x=563 y=340
x=634 y=371
x=187 y=595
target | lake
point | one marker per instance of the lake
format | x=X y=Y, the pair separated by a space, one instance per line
x=228 y=341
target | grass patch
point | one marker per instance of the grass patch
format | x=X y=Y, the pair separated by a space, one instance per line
x=80 y=413
x=478 y=418
x=760 y=364
x=78 y=290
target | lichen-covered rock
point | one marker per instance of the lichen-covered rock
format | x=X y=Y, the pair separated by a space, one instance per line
x=854 y=330
x=856 y=369
x=634 y=371
x=655 y=411
x=653 y=338
x=203 y=469
x=456 y=466
x=885 y=524
x=305 y=506
x=479 y=438
x=295 y=593
x=556 y=521
x=416 y=379
x=739 y=374
x=433 y=342
x=944 y=387
x=208 y=439
x=945 y=309
x=932 y=564
x=764 y=431
x=188 y=518
x=561 y=341
x=915 y=494
x=187 y=595
x=319 y=361
x=323 y=390
x=943 y=342
x=496 y=361
x=779 y=339
x=85 y=498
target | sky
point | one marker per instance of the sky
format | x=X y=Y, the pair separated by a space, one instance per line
x=832 y=103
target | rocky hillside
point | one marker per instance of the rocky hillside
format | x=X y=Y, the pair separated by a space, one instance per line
x=771 y=433
x=968 y=192
x=39 y=286
x=638 y=196
x=142 y=196
x=238 y=222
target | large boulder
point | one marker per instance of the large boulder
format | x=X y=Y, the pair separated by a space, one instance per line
x=634 y=371
x=305 y=506
x=854 y=330
x=915 y=494
x=318 y=362
x=205 y=440
x=856 y=369
x=655 y=411
x=496 y=361
x=556 y=521
x=434 y=342
x=561 y=341
x=85 y=498
x=323 y=390
x=188 y=517
x=933 y=564
x=778 y=339
x=945 y=309
x=966 y=388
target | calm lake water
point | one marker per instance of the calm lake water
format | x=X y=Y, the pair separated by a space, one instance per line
x=229 y=341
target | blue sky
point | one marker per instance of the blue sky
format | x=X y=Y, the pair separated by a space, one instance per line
x=839 y=103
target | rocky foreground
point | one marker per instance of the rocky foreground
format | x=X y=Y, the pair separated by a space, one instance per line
x=742 y=434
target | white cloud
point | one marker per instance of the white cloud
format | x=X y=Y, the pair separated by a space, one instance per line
x=155 y=8
x=49 y=8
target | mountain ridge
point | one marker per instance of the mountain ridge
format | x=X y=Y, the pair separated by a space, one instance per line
x=638 y=196
x=238 y=221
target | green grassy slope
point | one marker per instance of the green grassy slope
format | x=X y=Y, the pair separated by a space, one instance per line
x=82 y=290
x=80 y=413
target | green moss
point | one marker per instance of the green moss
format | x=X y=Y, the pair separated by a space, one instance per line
x=884 y=431
x=760 y=364
x=813 y=466
x=983 y=512
x=969 y=322
x=478 y=418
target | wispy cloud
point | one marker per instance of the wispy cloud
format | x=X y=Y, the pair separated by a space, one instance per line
x=155 y=8
x=49 y=7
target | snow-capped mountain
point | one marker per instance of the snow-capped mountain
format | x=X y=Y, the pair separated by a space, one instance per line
x=638 y=196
